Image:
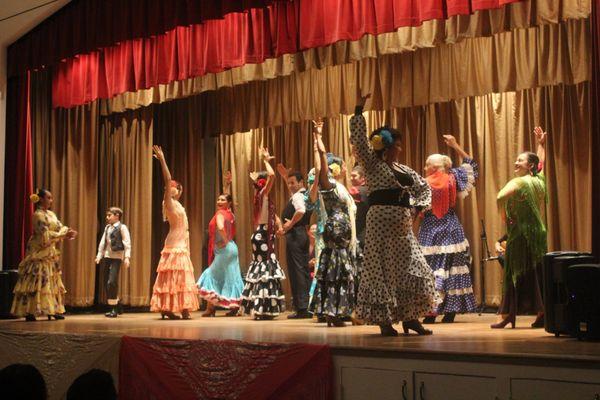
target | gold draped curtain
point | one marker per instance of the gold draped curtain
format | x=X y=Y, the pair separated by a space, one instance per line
x=65 y=153
x=124 y=181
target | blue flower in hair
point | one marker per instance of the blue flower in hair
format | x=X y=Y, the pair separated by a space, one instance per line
x=387 y=137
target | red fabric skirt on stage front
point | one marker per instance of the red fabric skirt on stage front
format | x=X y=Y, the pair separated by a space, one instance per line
x=223 y=369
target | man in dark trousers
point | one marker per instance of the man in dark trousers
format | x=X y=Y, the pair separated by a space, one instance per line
x=296 y=220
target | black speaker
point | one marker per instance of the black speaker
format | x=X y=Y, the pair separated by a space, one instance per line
x=584 y=301
x=555 y=291
x=8 y=279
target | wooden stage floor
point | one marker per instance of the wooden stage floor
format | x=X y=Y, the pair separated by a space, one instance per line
x=469 y=338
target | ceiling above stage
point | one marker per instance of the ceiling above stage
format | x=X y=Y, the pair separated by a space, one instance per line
x=17 y=17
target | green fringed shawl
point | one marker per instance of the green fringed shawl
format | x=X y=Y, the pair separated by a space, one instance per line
x=526 y=243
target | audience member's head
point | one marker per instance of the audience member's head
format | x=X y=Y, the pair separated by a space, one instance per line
x=93 y=385
x=22 y=382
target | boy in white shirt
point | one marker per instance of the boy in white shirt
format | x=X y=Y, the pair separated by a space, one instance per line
x=114 y=249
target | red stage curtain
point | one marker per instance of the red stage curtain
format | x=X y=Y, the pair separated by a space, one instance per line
x=18 y=174
x=223 y=369
x=86 y=25
x=239 y=39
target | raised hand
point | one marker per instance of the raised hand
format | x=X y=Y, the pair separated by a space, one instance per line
x=227 y=178
x=540 y=135
x=158 y=153
x=263 y=152
x=450 y=141
x=254 y=176
x=283 y=171
x=318 y=126
x=362 y=100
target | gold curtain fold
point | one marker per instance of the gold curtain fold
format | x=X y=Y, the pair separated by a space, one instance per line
x=125 y=178
x=437 y=33
x=493 y=128
x=70 y=171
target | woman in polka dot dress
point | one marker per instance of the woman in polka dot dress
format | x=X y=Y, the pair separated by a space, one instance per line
x=396 y=282
x=334 y=293
x=263 y=296
x=441 y=235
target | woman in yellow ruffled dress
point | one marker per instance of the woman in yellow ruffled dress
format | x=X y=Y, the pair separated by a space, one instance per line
x=39 y=289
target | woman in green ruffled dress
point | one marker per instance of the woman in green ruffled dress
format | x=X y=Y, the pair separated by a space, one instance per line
x=522 y=203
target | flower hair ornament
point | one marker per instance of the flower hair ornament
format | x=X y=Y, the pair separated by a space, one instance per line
x=381 y=140
x=335 y=169
x=34 y=198
x=260 y=183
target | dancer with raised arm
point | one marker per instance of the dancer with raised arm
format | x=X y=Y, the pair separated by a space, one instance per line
x=174 y=290
x=334 y=293
x=396 y=283
x=263 y=295
x=221 y=283
x=441 y=234
x=521 y=203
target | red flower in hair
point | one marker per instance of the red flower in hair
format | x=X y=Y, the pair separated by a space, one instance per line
x=260 y=183
x=174 y=183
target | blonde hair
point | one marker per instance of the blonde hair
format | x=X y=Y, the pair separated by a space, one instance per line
x=439 y=161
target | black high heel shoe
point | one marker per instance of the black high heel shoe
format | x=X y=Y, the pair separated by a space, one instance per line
x=430 y=319
x=169 y=315
x=185 y=314
x=448 y=318
x=388 y=330
x=415 y=325
x=539 y=322
x=55 y=316
x=30 y=318
x=334 y=321
x=510 y=319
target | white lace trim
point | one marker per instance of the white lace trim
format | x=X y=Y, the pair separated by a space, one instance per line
x=460 y=270
x=468 y=168
x=451 y=248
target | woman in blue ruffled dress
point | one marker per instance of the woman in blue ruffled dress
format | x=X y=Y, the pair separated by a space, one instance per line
x=441 y=234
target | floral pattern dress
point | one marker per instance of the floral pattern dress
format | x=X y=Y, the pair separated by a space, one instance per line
x=40 y=289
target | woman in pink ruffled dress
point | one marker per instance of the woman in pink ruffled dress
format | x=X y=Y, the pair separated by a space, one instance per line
x=175 y=288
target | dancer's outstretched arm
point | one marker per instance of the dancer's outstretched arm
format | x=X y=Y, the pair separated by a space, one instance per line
x=540 y=138
x=266 y=157
x=284 y=172
x=318 y=134
x=227 y=182
x=314 y=189
x=452 y=143
x=160 y=156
